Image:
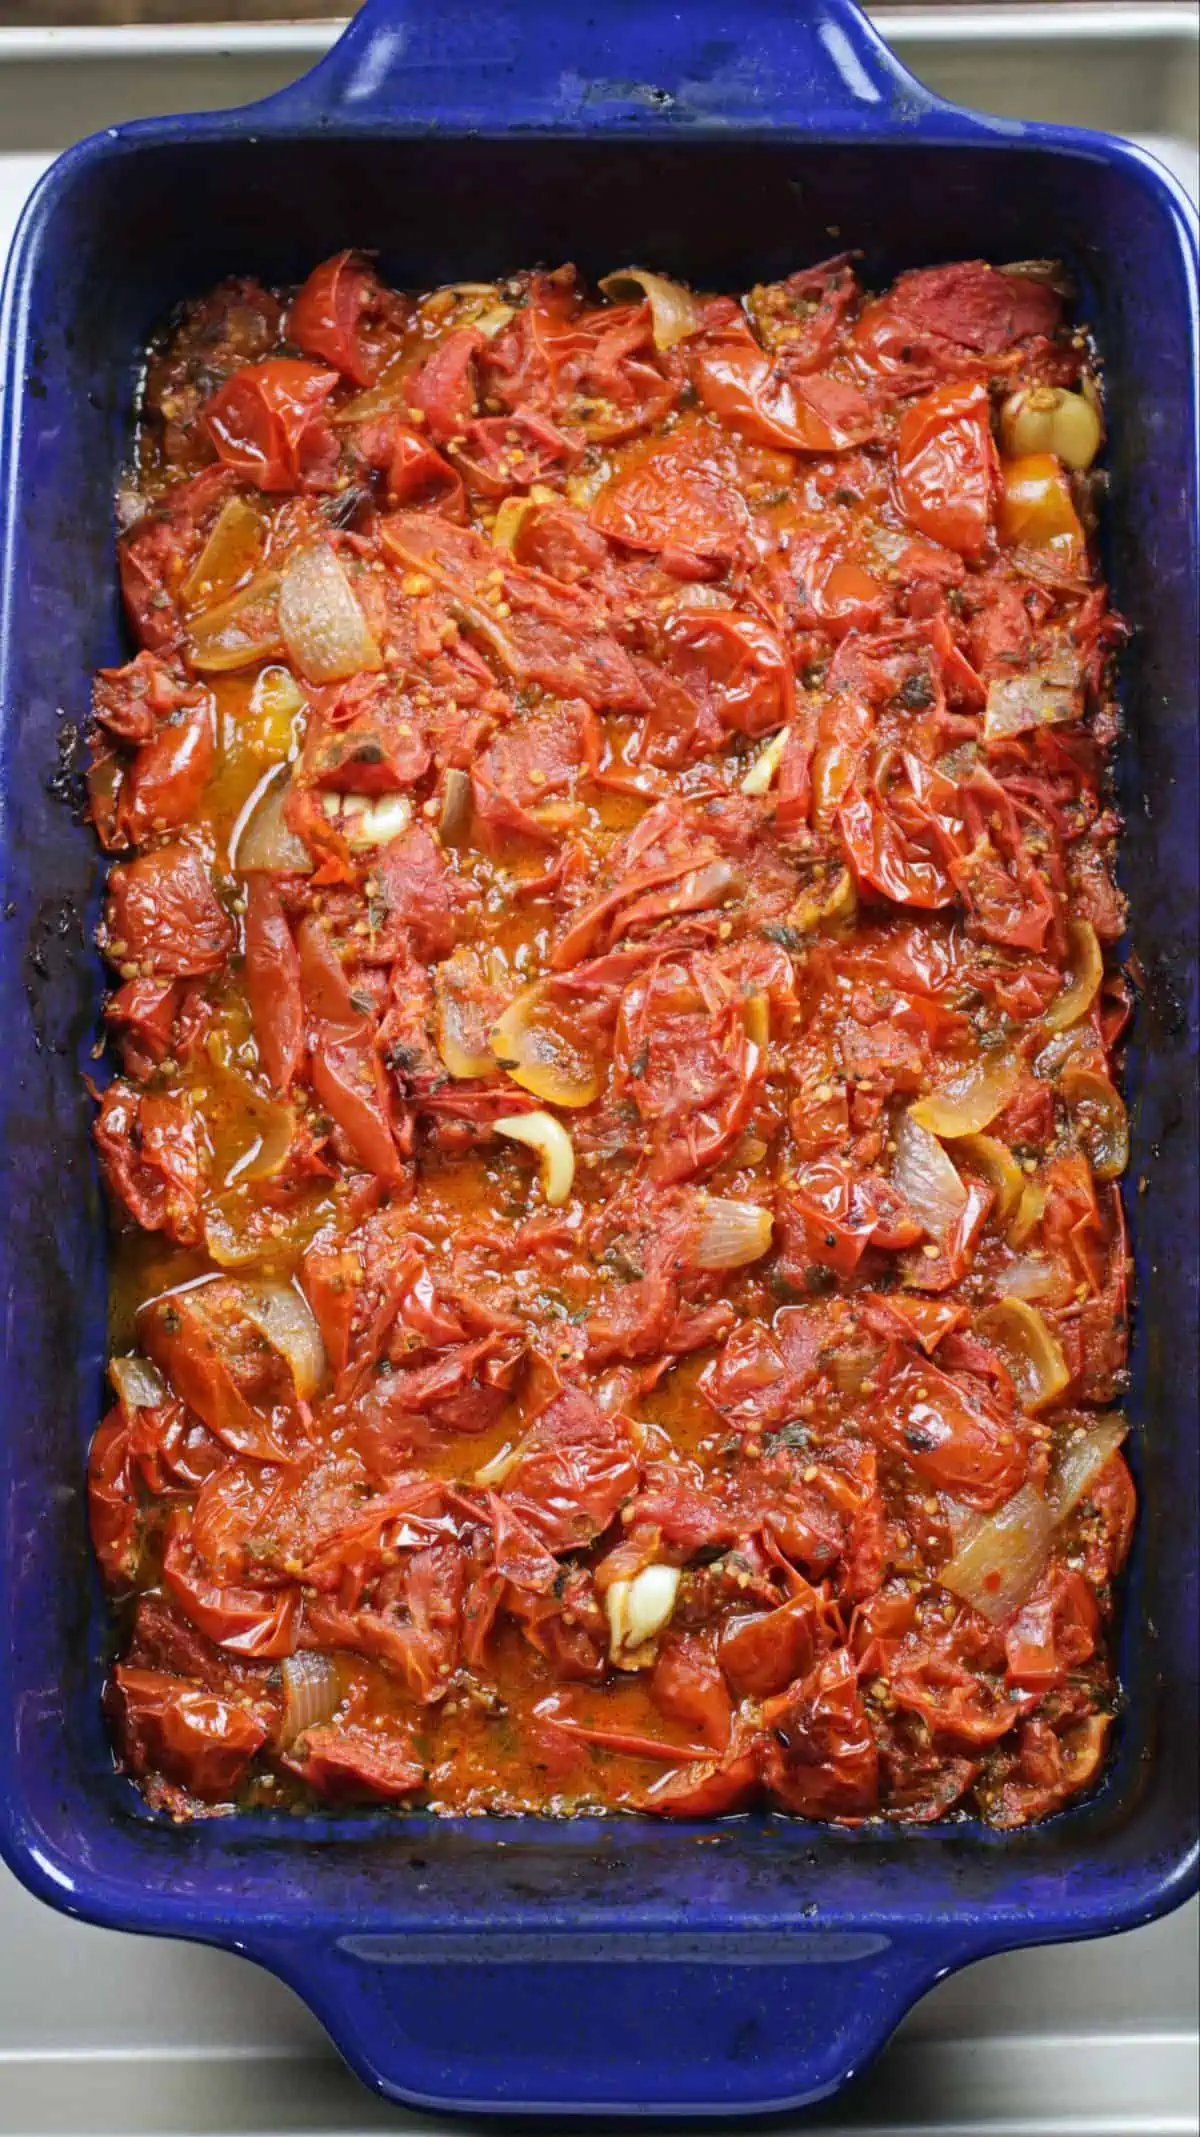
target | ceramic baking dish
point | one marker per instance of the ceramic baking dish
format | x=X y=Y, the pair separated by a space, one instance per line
x=615 y=1963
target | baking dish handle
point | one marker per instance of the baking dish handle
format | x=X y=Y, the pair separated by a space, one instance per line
x=536 y=63
x=662 y=2022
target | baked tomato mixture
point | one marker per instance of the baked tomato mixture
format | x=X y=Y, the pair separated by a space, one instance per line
x=620 y=1280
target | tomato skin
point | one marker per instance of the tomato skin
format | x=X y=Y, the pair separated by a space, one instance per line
x=1112 y=1501
x=443 y=390
x=687 y=1687
x=849 y=599
x=331 y=1278
x=708 y=1791
x=168 y=775
x=699 y=1070
x=163 y=915
x=503 y=454
x=819 y=1757
x=978 y=306
x=142 y=1011
x=764 y=1653
x=151 y=558
x=1054 y=1632
x=529 y=763
x=147 y=1147
x=1036 y=509
x=960 y=1445
x=810 y=414
x=272 y=978
x=739 y=663
x=553 y=635
x=947 y=468
x=348 y=1080
x=199 y=1738
x=804 y=316
x=592 y=368
x=252 y=1622
x=963 y=321
x=421 y=893
x=323 y=980
x=884 y=860
x=216 y=1360
x=266 y=422
x=576 y=1469
x=418 y=475
x=672 y=500
x=898 y=1316
x=357 y=1761
x=113 y=1512
x=929 y=1679
x=324 y=319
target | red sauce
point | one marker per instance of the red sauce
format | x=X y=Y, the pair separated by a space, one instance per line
x=691 y=1386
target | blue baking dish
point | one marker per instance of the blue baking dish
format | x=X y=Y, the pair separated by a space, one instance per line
x=611 y=1964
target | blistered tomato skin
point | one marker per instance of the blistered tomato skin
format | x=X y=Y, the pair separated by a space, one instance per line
x=620 y=1291
x=946 y=467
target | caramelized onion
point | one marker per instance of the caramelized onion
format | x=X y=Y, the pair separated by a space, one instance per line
x=675 y=311
x=1017 y=1330
x=459 y=1023
x=233 y=548
x=1087 y=971
x=970 y=1101
x=261 y=842
x=234 y=1241
x=389 y=391
x=928 y=1181
x=1052 y=272
x=541 y=1132
x=239 y=632
x=272 y=1127
x=838 y=905
x=532 y=1046
x=478 y=304
x=512 y=511
x=311 y=1693
x=1031 y=1276
x=496 y=1468
x=999 y=1167
x=323 y=626
x=759 y=778
x=491 y=320
x=1028 y=1213
x=286 y=1319
x=731 y=1233
x=268 y=723
x=139 y=1384
x=1082 y=1458
x=1101 y=1123
x=507 y=521
x=756 y=1016
x=1000 y=1563
x=1017 y=704
x=456 y=805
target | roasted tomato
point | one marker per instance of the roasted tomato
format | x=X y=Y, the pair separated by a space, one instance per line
x=328 y=315
x=268 y=424
x=620 y=1275
x=946 y=467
